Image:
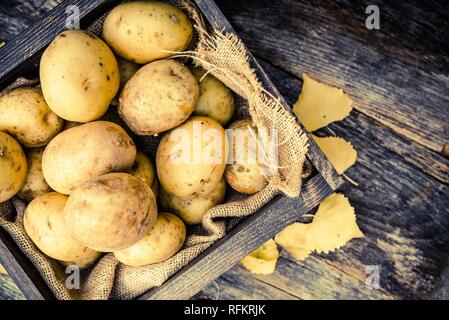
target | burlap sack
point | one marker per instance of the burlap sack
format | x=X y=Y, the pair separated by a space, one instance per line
x=226 y=58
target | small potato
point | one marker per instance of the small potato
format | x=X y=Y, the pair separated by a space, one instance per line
x=160 y=96
x=35 y=184
x=144 y=170
x=139 y=31
x=127 y=69
x=244 y=174
x=110 y=212
x=13 y=167
x=79 y=76
x=191 y=210
x=84 y=152
x=44 y=224
x=216 y=100
x=25 y=115
x=163 y=241
x=191 y=158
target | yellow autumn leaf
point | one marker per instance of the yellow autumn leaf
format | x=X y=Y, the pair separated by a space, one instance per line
x=263 y=260
x=333 y=225
x=320 y=104
x=340 y=152
x=2 y=270
x=293 y=239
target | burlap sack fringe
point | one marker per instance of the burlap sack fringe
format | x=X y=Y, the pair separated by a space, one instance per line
x=226 y=58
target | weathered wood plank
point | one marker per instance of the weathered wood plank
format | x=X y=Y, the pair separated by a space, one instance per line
x=8 y=289
x=387 y=72
x=238 y=284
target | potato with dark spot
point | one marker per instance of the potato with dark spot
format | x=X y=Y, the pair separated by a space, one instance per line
x=84 y=152
x=110 y=212
x=79 y=76
x=44 y=223
x=244 y=174
x=191 y=210
x=35 y=184
x=163 y=241
x=191 y=159
x=144 y=170
x=141 y=31
x=159 y=97
x=216 y=100
x=13 y=167
x=25 y=115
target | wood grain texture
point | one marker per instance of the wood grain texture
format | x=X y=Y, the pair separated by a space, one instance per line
x=383 y=70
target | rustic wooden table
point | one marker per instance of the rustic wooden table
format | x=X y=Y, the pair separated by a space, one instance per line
x=399 y=79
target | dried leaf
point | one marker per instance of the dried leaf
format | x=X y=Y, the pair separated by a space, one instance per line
x=320 y=104
x=293 y=239
x=2 y=270
x=263 y=260
x=340 y=152
x=334 y=224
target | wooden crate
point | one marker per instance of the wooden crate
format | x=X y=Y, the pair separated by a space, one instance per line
x=20 y=58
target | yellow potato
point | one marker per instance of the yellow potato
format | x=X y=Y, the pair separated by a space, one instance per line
x=139 y=31
x=127 y=70
x=144 y=170
x=216 y=100
x=25 y=115
x=84 y=152
x=13 y=167
x=44 y=224
x=244 y=173
x=79 y=76
x=191 y=159
x=160 y=96
x=191 y=210
x=163 y=241
x=110 y=212
x=35 y=184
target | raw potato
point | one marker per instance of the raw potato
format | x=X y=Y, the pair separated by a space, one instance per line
x=35 y=184
x=25 y=115
x=163 y=241
x=44 y=224
x=244 y=174
x=79 y=76
x=144 y=170
x=159 y=97
x=191 y=210
x=84 y=152
x=127 y=69
x=110 y=212
x=139 y=31
x=190 y=164
x=216 y=100
x=13 y=167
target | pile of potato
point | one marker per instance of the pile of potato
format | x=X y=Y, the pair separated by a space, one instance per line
x=64 y=150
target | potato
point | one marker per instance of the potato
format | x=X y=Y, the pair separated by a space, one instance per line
x=139 y=31
x=79 y=76
x=216 y=100
x=13 y=167
x=160 y=96
x=110 y=212
x=191 y=210
x=191 y=158
x=127 y=69
x=163 y=241
x=84 y=152
x=35 y=184
x=44 y=224
x=144 y=170
x=25 y=115
x=244 y=174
